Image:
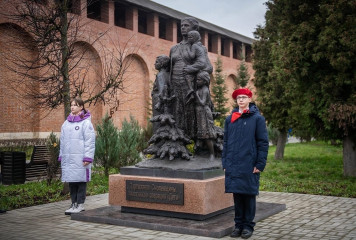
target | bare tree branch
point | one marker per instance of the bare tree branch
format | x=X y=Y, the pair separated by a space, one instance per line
x=65 y=63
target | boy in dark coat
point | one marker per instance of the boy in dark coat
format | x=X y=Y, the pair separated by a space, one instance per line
x=244 y=157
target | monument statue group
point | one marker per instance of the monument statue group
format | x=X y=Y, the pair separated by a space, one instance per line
x=170 y=185
x=182 y=107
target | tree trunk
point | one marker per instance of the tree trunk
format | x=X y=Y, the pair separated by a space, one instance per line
x=349 y=156
x=65 y=69
x=65 y=54
x=281 y=143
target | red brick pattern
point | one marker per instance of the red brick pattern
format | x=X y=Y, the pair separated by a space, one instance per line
x=19 y=115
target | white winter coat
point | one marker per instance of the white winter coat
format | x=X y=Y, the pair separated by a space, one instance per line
x=77 y=145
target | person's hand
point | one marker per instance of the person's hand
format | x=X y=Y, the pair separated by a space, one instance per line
x=255 y=170
x=86 y=164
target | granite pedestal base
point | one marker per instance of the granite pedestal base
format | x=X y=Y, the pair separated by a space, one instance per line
x=215 y=227
x=201 y=199
x=206 y=209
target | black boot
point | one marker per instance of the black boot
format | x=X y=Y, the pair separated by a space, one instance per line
x=236 y=233
x=246 y=233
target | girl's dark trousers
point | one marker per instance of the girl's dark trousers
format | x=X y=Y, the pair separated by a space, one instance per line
x=78 y=192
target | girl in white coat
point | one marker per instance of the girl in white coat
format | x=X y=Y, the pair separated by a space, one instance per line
x=77 y=147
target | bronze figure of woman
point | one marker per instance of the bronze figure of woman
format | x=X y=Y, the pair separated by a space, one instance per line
x=181 y=66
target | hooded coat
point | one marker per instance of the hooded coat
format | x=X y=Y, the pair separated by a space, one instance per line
x=77 y=145
x=245 y=147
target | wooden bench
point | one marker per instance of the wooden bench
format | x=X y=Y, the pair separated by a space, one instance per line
x=37 y=167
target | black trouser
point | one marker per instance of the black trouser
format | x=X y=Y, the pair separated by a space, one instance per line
x=245 y=210
x=78 y=191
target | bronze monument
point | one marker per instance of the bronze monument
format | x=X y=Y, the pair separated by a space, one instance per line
x=182 y=107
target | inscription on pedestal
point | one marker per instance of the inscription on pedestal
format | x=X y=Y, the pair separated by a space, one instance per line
x=155 y=192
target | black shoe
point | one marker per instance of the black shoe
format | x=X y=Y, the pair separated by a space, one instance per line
x=236 y=233
x=246 y=233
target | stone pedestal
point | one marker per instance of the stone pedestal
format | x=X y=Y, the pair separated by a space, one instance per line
x=201 y=198
x=185 y=195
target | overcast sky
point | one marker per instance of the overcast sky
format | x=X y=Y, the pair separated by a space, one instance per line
x=240 y=16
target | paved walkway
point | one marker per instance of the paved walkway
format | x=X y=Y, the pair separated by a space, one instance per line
x=307 y=217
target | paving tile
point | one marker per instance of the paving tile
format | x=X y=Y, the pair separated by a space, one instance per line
x=306 y=217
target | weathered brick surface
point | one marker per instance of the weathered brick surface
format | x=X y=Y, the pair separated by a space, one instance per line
x=19 y=115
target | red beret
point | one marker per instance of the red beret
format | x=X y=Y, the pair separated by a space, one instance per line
x=241 y=91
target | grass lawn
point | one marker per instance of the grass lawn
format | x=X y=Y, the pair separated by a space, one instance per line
x=38 y=192
x=311 y=168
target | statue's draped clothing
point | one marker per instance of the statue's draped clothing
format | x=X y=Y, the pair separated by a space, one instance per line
x=184 y=114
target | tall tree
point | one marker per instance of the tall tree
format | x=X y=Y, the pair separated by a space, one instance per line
x=219 y=90
x=317 y=48
x=53 y=75
x=272 y=80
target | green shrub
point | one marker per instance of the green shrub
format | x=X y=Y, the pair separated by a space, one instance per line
x=106 y=145
x=131 y=143
x=39 y=192
x=52 y=143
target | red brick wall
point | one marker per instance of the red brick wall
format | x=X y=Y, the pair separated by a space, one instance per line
x=16 y=114
x=143 y=50
x=134 y=100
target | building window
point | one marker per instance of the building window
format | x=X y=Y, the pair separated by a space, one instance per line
x=202 y=35
x=236 y=50
x=142 y=22
x=248 y=53
x=120 y=15
x=162 y=28
x=223 y=46
x=74 y=6
x=94 y=9
x=226 y=44
x=210 y=42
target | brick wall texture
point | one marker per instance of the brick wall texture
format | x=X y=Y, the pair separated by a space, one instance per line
x=19 y=115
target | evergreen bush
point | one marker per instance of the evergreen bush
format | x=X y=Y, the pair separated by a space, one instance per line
x=52 y=143
x=107 y=145
x=131 y=143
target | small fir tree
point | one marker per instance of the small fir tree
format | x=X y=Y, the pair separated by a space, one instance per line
x=219 y=90
x=242 y=75
x=131 y=143
x=168 y=141
x=106 y=145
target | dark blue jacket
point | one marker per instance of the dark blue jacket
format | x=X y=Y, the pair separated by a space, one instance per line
x=245 y=147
